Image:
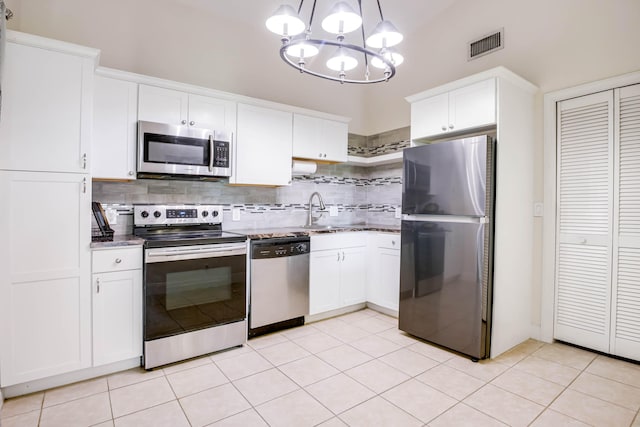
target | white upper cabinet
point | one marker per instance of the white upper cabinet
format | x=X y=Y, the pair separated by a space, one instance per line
x=46 y=108
x=162 y=105
x=319 y=139
x=468 y=107
x=115 y=118
x=174 y=107
x=262 y=152
x=212 y=113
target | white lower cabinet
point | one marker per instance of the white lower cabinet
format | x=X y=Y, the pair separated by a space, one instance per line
x=337 y=271
x=383 y=287
x=117 y=304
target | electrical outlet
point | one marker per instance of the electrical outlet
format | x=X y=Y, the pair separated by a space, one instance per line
x=236 y=214
x=538 y=209
x=333 y=210
x=112 y=216
x=398 y=212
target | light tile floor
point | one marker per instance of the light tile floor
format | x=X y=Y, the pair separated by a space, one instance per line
x=356 y=370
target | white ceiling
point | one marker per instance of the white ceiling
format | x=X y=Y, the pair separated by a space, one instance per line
x=407 y=15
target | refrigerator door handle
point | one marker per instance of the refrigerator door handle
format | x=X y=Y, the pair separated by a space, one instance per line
x=447 y=218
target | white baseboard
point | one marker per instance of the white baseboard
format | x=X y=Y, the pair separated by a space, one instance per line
x=383 y=310
x=68 y=378
x=333 y=313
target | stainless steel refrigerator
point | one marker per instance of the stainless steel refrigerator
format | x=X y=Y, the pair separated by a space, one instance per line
x=447 y=244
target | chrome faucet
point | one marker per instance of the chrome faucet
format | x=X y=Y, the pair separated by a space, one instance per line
x=313 y=219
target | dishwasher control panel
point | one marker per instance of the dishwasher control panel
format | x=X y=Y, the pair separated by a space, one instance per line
x=277 y=248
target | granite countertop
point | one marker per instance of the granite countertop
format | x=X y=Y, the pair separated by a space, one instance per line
x=262 y=233
x=269 y=233
x=119 y=241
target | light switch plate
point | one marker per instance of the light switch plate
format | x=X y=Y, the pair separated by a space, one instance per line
x=333 y=210
x=398 y=211
x=538 y=209
x=236 y=214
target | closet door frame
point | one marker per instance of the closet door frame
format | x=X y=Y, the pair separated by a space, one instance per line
x=549 y=223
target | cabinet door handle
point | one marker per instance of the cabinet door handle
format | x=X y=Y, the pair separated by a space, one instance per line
x=343 y=256
x=191 y=123
x=118 y=260
x=184 y=122
x=338 y=257
x=84 y=161
x=84 y=185
x=451 y=126
x=393 y=242
x=97 y=286
x=444 y=128
x=130 y=173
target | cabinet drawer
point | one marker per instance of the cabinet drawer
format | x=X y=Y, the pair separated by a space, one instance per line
x=388 y=240
x=338 y=240
x=117 y=259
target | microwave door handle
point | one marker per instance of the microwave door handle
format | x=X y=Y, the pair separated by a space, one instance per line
x=211 y=155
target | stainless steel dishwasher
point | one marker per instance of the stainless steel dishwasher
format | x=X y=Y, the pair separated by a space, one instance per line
x=279 y=284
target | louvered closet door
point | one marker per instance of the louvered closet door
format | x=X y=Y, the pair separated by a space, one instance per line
x=625 y=327
x=585 y=192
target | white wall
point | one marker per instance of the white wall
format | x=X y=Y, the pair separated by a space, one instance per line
x=554 y=44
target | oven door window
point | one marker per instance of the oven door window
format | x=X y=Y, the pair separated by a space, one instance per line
x=187 y=295
x=176 y=150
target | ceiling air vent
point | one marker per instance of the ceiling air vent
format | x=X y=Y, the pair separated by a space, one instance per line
x=486 y=45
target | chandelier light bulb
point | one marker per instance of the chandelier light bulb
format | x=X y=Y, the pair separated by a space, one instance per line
x=285 y=22
x=384 y=35
x=342 y=61
x=389 y=54
x=342 y=19
x=301 y=49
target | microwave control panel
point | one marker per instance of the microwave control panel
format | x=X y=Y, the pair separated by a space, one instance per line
x=221 y=154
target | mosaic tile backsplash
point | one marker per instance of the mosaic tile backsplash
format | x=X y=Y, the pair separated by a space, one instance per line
x=379 y=144
x=362 y=195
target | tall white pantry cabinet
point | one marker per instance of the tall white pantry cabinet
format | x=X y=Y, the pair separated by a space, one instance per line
x=597 y=277
x=45 y=188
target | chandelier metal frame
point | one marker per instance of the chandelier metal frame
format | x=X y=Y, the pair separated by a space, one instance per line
x=300 y=64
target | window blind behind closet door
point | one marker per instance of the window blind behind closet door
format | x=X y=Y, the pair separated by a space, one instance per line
x=585 y=193
x=625 y=340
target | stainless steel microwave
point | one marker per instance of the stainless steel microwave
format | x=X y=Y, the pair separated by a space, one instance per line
x=181 y=151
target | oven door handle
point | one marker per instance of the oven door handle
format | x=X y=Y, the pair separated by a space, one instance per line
x=185 y=253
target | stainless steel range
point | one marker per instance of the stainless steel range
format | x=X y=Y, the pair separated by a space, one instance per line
x=195 y=292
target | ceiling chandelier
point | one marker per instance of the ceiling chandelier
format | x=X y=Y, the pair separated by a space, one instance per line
x=298 y=45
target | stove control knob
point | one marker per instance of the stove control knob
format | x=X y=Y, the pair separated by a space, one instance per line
x=214 y=213
x=157 y=214
x=205 y=214
x=144 y=214
x=301 y=247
